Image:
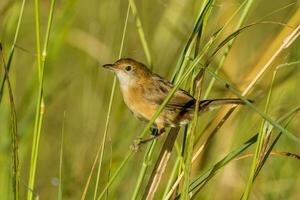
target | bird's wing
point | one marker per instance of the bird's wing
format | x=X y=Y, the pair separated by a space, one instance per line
x=160 y=89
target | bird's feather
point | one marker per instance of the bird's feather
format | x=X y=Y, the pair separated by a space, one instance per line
x=180 y=100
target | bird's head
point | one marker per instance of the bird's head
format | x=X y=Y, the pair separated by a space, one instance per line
x=129 y=71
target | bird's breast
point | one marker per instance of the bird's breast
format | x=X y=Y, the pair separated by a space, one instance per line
x=137 y=103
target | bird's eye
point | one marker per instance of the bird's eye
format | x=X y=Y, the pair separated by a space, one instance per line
x=128 y=68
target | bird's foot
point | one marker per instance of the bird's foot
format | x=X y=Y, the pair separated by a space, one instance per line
x=136 y=144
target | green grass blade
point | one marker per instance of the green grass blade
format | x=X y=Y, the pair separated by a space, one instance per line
x=258 y=149
x=172 y=177
x=233 y=35
x=207 y=175
x=145 y=165
x=197 y=31
x=41 y=58
x=261 y=164
x=192 y=128
x=257 y=164
x=141 y=33
x=229 y=45
x=12 y=51
x=149 y=152
x=252 y=107
x=109 y=111
x=126 y=159
x=14 y=134
x=60 y=189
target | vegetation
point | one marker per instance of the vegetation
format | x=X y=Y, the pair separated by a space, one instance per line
x=66 y=133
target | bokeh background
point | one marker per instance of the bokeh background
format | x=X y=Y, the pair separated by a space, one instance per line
x=87 y=34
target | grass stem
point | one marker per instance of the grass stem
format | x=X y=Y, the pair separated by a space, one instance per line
x=40 y=107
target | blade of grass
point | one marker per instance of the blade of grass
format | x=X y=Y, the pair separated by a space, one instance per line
x=107 y=120
x=190 y=135
x=179 y=164
x=203 y=179
x=208 y=174
x=242 y=18
x=233 y=35
x=285 y=44
x=150 y=151
x=260 y=156
x=254 y=108
x=173 y=175
x=195 y=84
x=273 y=153
x=147 y=53
x=227 y=112
x=141 y=33
x=11 y=54
x=110 y=166
x=190 y=145
x=246 y=10
x=288 y=40
x=41 y=58
x=146 y=162
x=261 y=164
x=14 y=133
x=117 y=172
x=258 y=150
x=160 y=166
x=246 y=90
x=230 y=111
x=288 y=64
x=185 y=56
x=216 y=36
x=200 y=179
x=60 y=190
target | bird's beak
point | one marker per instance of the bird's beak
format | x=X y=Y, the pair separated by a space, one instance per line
x=108 y=66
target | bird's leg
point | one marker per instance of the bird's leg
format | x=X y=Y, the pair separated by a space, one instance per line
x=154 y=131
x=157 y=134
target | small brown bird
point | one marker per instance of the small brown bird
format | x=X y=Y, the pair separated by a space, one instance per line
x=144 y=91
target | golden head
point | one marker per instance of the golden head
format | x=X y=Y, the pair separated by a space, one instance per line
x=129 y=70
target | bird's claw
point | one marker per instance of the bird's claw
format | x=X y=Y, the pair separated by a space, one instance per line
x=136 y=144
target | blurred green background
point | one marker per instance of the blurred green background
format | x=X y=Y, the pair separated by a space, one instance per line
x=87 y=34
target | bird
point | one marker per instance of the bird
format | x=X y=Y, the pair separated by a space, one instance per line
x=144 y=91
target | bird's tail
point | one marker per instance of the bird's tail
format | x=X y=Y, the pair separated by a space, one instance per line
x=211 y=104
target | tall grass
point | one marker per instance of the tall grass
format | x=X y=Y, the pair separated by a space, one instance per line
x=211 y=48
x=110 y=106
x=40 y=106
x=13 y=114
x=60 y=189
x=14 y=133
